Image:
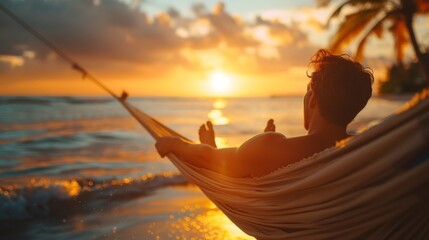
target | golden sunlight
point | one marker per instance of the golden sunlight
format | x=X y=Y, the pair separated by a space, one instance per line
x=220 y=82
x=220 y=219
x=219 y=104
x=217 y=117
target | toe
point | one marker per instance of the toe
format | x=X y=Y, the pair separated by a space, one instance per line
x=209 y=125
x=202 y=128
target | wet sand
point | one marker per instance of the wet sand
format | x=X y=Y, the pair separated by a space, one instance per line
x=181 y=212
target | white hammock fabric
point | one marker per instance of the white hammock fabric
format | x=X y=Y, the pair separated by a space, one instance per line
x=374 y=186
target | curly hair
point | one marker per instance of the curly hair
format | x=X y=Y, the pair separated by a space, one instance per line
x=342 y=86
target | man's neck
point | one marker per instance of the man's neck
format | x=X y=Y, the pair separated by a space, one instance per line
x=328 y=131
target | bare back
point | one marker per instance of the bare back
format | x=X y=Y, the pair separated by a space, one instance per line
x=268 y=152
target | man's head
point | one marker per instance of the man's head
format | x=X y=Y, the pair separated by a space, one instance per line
x=339 y=86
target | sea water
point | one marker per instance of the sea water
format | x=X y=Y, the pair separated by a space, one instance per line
x=83 y=168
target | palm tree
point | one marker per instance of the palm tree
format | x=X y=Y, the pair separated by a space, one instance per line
x=368 y=17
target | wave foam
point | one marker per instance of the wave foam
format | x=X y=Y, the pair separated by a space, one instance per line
x=39 y=196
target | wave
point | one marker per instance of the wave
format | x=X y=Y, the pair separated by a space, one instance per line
x=82 y=100
x=44 y=197
x=47 y=101
x=25 y=100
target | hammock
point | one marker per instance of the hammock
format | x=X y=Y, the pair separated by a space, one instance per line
x=373 y=186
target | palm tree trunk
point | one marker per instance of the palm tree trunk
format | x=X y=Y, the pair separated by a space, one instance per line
x=423 y=61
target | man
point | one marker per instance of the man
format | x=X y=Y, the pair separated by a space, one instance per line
x=338 y=90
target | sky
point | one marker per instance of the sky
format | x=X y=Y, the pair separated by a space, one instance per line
x=171 y=48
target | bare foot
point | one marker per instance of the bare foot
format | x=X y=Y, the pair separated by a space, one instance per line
x=207 y=135
x=271 y=127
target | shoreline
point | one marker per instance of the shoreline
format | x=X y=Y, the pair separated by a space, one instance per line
x=181 y=212
x=174 y=212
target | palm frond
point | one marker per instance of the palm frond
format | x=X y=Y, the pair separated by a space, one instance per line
x=338 y=10
x=360 y=4
x=377 y=29
x=352 y=26
x=400 y=34
x=362 y=43
x=359 y=51
x=422 y=6
x=322 y=3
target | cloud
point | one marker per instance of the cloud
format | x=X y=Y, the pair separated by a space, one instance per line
x=13 y=61
x=199 y=9
x=229 y=28
x=112 y=33
x=256 y=47
x=110 y=30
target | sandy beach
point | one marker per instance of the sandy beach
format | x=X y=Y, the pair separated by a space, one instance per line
x=181 y=212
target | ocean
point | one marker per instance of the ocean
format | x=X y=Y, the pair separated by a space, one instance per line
x=83 y=168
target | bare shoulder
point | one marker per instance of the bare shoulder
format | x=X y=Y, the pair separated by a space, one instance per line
x=262 y=139
x=261 y=145
x=267 y=152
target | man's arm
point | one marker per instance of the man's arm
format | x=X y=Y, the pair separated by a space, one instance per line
x=258 y=156
x=202 y=155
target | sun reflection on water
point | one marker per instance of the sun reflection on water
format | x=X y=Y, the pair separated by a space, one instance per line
x=216 y=115
x=217 y=118
x=219 y=104
x=203 y=220
x=63 y=189
x=221 y=142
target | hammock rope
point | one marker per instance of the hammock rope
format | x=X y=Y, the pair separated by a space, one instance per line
x=373 y=186
x=65 y=57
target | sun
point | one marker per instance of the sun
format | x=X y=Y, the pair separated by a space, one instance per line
x=220 y=82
